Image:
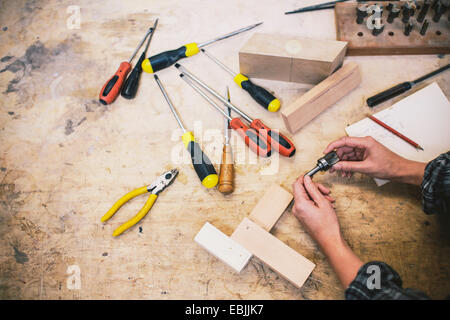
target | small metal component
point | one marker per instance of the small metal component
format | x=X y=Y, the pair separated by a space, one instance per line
x=438 y=11
x=408 y=28
x=390 y=6
x=324 y=163
x=361 y=13
x=407 y=12
x=424 y=28
x=393 y=13
x=376 y=31
x=423 y=12
x=163 y=181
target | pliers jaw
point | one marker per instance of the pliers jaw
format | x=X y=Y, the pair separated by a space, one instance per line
x=162 y=181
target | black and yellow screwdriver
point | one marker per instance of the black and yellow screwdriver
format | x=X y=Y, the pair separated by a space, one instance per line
x=202 y=165
x=259 y=94
x=167 y=58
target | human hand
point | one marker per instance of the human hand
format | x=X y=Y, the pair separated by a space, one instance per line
x=313 y=207
x=368 y=156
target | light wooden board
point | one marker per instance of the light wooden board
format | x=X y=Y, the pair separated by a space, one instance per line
x=319 y=98
x=278 y=256
x=270 y=207
x=223 y=247
x=391 y=40
x=287 y=58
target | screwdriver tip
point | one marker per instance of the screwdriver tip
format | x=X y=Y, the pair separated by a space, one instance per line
x=419 y=147
x=177 y=65
x=156 y=77
x=203 y=50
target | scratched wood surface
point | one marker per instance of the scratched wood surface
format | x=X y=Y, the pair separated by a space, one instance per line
x=65 y=159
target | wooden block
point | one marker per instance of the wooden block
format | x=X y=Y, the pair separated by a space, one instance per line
x=270 y=207
x=223 y=247
x=292 y=59
x=320 y=97
x=392 y=40
x=278 y=256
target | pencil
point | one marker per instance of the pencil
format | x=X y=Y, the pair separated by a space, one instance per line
x=398 y=134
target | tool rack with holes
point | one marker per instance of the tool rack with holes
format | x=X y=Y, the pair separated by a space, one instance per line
x=394 y=27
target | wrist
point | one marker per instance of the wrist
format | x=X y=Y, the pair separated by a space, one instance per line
x=410 y=172
x=332 y=244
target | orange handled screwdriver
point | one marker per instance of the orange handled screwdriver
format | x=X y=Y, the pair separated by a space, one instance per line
x=112 y=87
x=251 y=137
x=277 y=140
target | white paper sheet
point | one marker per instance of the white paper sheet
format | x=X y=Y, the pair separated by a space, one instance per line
x=423 y=117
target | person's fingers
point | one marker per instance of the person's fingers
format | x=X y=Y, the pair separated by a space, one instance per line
x=348 y=156
x=300 y=193
x=323 y=189
x=329 y=198
x=354 y=142
x=351 y=166
x=313 y=191
x=344 y=150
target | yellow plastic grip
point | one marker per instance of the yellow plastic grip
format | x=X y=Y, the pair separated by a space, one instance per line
x=138 y=217
x=274 y=105
x=187 y=137
x=239 y=78
x=210 y=181
x=147 y=66
x=191 y=49
x=122 y=201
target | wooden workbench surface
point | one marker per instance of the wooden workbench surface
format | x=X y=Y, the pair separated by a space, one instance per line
x=65 y=159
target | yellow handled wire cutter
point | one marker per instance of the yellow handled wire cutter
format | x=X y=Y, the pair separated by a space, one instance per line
x=155 y=188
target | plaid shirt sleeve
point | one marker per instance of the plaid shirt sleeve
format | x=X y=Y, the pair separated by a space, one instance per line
x=378 y=281
x=436 y=185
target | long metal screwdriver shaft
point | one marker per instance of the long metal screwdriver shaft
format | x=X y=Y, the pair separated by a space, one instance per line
x=150 y=30
x=196 y=88
x=170 y=103
x=219 y=63
x=214 y=93
x=203 y=44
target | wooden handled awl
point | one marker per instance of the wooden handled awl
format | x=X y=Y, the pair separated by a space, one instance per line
x=226 y=174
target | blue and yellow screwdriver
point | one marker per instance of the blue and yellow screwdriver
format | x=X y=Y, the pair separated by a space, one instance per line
x=167 y=58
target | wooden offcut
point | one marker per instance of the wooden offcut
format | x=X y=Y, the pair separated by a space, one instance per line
x=293 y=59
x=284 y=260
x=319 y=98
x=270 y=207
x=391 y=41
x=223 y=247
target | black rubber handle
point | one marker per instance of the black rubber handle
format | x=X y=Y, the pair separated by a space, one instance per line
x=389 y=94
x=202 y=165
x=166 y=59
x=261 y=95
x=132 y=83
